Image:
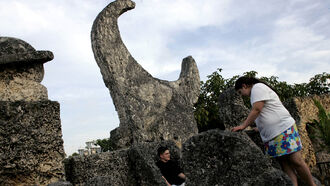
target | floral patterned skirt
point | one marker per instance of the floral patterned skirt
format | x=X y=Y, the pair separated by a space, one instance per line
x=285 y=143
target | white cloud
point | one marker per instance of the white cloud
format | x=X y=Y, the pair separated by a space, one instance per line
x=149 y=28
x=289 y=34
x=22 y=18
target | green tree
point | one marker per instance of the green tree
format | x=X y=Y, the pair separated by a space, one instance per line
x=206 y=108
x=319 y=84
x=73 y=154
x=105 y=144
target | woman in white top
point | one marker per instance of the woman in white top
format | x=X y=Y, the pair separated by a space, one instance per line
x=277 y=128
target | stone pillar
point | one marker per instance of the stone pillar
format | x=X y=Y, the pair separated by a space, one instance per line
x=31 y=145
x=149 y=109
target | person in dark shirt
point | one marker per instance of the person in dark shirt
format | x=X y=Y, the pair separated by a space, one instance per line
x=170 y=169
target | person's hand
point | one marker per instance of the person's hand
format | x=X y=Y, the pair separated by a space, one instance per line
x=181 y=175
x=168 y=184
x=237 y=128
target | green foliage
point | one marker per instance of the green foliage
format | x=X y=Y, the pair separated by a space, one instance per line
x=73 y=154
x=105 y=144
x=323 y=122
x=206 y=108
x=319 y=84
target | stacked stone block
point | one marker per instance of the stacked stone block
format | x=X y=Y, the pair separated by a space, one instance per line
x=31 y=145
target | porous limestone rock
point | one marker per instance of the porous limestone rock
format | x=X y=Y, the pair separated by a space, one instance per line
x=218 y=157
x=304 y=111
x=60 y=183
x=232 y=111
x=111 y=165
x=149 y=109
x=31 y=145
x=21 y=71
x=132 y=167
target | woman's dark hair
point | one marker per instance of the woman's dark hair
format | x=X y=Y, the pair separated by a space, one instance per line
x=247 y=81
x=161 y=150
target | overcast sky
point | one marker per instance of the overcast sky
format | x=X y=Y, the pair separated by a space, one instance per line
x=288 y=39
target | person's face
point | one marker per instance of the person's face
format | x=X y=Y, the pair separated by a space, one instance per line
x=245 y=90
x=165 y=156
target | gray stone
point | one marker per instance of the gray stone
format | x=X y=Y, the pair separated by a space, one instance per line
x=220 y=157
x=60 y=183
x=21 y=71
x=271 y=177
x=132 y=167
x=13 y=50
x=108 y=165
x=255 y=137
x=149 y=109
x=101 y=181
x=232 y=111
x=31 y=145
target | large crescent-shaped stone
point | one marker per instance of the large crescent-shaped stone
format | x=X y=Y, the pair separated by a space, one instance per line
x=149 y=109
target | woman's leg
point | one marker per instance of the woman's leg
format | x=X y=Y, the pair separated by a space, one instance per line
x=287 y=168
x=297 y=163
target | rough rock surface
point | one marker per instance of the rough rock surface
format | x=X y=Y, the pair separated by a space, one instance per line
x=232 y=111
x=60 y=183
x=304 y=110
x=149 y=109
x=21 y=71
x=31 y=145
x=220 y=157
x=80 y=169
x=132 y=167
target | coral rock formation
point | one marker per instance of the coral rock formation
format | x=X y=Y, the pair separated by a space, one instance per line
x=149 y=109
x=218 y=157
x=232 y=111
x=304 y=111
x=21 y=71
x=31 y=145
x=133 y=166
